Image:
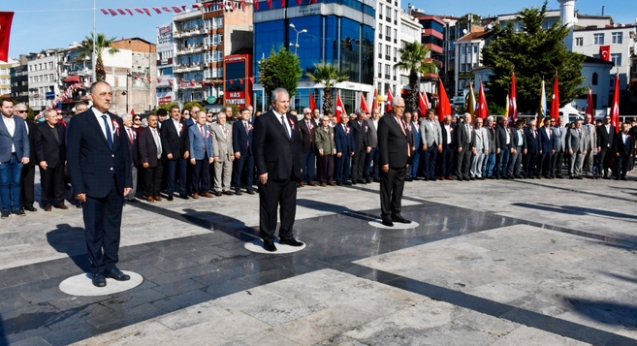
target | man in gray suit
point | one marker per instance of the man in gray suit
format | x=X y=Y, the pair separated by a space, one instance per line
x=372 y=168
x=577 y=144
x=222 y=142
x=589 y=158
x=14 y=152
x=431 y=138
x=559 y=145
x=480 y=142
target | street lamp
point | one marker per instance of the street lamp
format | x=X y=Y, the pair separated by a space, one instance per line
x=296 y=45
x=127 y=91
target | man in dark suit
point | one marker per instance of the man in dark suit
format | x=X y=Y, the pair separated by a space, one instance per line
x=463 y=148
x=360 y=128
x=372 y=168
x=605 y=139
x=277 y=149
x=395 y=152
x=14 y=152
x=624 y=147
x=50 y=152
x=546 y=149
x=27 y=189
x=518 y=149
x=175 y=145
x=242 y=132
x=133 y=149
x=533 y=148
x=306 y=128
x=345 y=146
x=99 y=167
x=577 y=145
x=447 y=128
x=502 y=148
x=559 y=145
x=201 y=155
x=150 y=153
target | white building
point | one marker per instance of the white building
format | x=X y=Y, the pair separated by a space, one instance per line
x=388 y=42
x=166 y=50
x=468 y=57
x=598 y=77
x=43 y=78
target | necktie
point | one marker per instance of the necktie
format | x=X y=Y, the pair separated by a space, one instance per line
x=109 y=135
x=130 y=135
x=203 y=137
x=285 y=127
x=157 y=143
x=245 y=124
x=579 y=133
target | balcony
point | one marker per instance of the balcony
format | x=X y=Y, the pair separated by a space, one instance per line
x=200 y=47
x=187 y=33
x=188 y=67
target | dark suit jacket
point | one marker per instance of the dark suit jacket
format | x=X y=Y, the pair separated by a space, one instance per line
x=461 y=136
x=32 y=158
x=360 y=135
x=604 y=139
x=242 y=141
x=444 y=136
x=546 y=141
x=20 y=140
x=515 y=136
x=501 y=138
x=392 y=142
x=533 y=143
x=173 y=143
x=147 y=147
x=344 y=141
x=306 y=134
x=274 y=152
x=47 y=148
x=621 y=148
x=133 y=147
x=91 y=162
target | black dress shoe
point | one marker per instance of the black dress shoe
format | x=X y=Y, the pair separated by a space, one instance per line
x=170 y=198
x=5 y=214
x=183 y=196
x=347 y=183
x=30 y=208
x=218 y=193
x=238 y=192
x=99 y=280
x=376 y=180
x=387 y=221
x=116 y=274
x=18 y=212
x=269 y=246
x=251 y=192
x=290 y=241
x=399 y=219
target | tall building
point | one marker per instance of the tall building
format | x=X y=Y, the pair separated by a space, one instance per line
x=338 y=32
x=388 y=24
x=43 y=77
x=166 y=87
x=203 y=37
x=469 y=56
x=20 y=80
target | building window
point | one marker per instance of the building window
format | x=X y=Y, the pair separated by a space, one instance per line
x=599 y=39
x=595 y=78
x=616 y=58
x=475 y=49
x=617 y=38
x=579 y=41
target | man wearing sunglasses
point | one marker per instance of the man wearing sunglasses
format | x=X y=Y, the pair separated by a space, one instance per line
x=28 y=170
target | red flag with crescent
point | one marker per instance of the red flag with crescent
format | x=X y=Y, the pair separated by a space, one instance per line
x=6 y=18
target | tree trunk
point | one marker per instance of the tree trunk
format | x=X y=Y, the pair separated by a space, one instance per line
x=100 y=73
x=412 y=99
x=327 y=101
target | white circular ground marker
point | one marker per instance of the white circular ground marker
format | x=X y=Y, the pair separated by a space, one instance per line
x=82 y=285
x=378 y=223
x=281 y=249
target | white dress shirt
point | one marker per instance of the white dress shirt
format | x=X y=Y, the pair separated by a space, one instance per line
x=285 y=123
x=10 y=124
x=100 y=121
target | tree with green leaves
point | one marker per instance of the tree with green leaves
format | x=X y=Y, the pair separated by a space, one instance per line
x=328 y=75
x=412 y=59
x=101 y=44
x=280 y=70
x=533 y=53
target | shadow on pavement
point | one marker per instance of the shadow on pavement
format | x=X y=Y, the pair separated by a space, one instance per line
x=610 y=313
x=72 y=241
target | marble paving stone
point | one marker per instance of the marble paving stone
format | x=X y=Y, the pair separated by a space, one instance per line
x=218 y=330
x=150 y=333
x=33 y=341
x=262 y=338
x=192 y=315
x=528 y=336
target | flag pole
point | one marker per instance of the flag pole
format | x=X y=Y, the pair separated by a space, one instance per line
x=93 y=54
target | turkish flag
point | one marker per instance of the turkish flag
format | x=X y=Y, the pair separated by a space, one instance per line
x=423 y=104
x=604 y=53
x=340 y=109
x=614 y=109
x=364 y=107
x=375 y=101
x=129 y=11
x=555 y=100
x=312 y=102
x=590 y=108
x=443 y=107
x=256 y=4
x=482 y=111
x=6 y=18
x=390 y=98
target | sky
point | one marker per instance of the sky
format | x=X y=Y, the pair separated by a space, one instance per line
x=43 y=24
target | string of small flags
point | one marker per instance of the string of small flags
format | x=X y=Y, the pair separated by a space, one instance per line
x=192 y=83
x=179 y=9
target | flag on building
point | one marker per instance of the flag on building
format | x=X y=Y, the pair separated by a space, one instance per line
x=6 y=18
x=471 y=102
x=555 y=100
x=390 y=98
x=590 y=107
x=614 y=109
x=604 y=53
x=340 y=109
x=443 y=108
x=363 y=105
x=482 y=110
x=513 y=101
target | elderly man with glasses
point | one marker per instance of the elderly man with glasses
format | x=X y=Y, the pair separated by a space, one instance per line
x=308 y=163
x=27 y=179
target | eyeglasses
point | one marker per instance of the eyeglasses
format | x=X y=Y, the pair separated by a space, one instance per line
x=21 y=111
x=137 y=119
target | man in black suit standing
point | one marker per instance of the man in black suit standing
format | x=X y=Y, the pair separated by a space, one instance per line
x=277 y=152
x=27 y=189
x=306 y=128
x=395 y=152
x=150 y=151
x=176 y=146
x=242 y=135
x=359 y=127
x=463 y=148
x=446 y=165
x=99 y=167
x=50 y=152
x=623 y=147
x=605 y=140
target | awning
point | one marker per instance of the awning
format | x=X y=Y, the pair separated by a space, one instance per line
x=72 y=79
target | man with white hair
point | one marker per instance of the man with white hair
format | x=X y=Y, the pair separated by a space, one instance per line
x=27 y=188
x=464 y=133
x=133 y=147
x=50 y=152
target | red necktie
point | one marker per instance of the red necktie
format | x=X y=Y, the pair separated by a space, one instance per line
x=130 y=136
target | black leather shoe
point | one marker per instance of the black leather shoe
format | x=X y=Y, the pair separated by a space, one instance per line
x=30 y=208
x=251 y=192
x=218 y=194
x=269 y=246
x=116 y=274
x=183 y=196
x=387 y=222
x=170 y=198
x=399 y=219
x=238 y=193
x=18 y=212
x=291 y=242
x=99 y=280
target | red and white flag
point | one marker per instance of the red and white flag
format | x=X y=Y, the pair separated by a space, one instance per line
x=590 y=108
x=423 y=104
x=390 y=98
x=6 y=18
x=256 y=4
x=604 y=53
x=112 y=12
x=129 y=11
x=482 y=109
x=104 y=11
x=157 y=10
x=340 y=109
x=363 y=106
x=614 y=109
x=166 y=9
x=147 y=11
x=375 y=100
x=139 y=10
x=555 y=100
x=176 y=9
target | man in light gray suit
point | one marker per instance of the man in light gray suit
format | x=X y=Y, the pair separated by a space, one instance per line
x=431 y=138
x=559 y=145
x=577 y=144
x=222 y=142
x=589 y=158
x=480 y=140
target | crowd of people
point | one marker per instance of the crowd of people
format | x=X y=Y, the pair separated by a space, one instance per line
x=193 y=153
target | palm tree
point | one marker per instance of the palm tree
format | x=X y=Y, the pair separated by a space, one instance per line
x=101 y=43
x=412 y=58
x=328 y=75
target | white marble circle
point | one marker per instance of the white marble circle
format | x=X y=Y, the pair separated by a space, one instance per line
x=281 y=249
x=82 y=285
x=397 y=225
